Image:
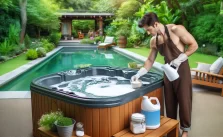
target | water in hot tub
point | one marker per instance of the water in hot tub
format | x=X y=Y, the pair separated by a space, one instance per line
x=97 y=86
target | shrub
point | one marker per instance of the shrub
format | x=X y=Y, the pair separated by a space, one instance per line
x=132 y=65
x=27 y=41
x=55 y=38
x=35 y=45
x=22 y=47
x=209 y=49
x=47 y=120
x=17 y=50
x=99 y=38
x=129 y=43
x=87 y=41
x=47 y=45
x=82 y=65
x=123 y=30
x=4 y=58
x=31 y=54
x=208 y=28
x=110 y=30
x=146 y=42
x=41 y=52
x=128 y=8
x=14 y=30
x=64 y=121
x=5 y=48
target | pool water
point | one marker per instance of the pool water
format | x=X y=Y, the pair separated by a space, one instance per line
x=66 y=61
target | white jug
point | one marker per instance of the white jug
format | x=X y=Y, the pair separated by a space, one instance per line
x=151 y=112
x=170 y=72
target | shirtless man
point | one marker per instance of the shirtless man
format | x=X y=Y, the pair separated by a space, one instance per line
x=170 y=41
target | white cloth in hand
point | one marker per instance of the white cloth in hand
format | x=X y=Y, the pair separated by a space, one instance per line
x=181 y=58
x=140 y=73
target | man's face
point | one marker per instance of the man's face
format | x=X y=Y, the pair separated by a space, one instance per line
x=150 y=30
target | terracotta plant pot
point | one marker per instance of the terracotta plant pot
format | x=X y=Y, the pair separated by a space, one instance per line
x=122 y=41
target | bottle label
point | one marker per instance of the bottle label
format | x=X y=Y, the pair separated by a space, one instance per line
x=152 y=117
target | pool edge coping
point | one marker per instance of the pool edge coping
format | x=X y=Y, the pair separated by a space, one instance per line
x=138 y=57
x=20 y=70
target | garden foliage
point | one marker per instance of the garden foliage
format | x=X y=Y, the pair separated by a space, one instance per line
x=47 y=120
x=31 y=54
x=41 y=52
x=64 y=121
x=208 y=29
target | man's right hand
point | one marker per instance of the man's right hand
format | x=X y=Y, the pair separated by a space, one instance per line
x=140 y=73
x=134 y=78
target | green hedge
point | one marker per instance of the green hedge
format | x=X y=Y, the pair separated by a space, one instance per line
x=208 y=29
x=31 y=54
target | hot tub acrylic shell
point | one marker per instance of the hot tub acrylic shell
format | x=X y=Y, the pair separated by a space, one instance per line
x=42 y=85
x=102 y=117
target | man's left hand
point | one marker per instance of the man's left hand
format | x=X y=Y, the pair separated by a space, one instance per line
x=181 y=58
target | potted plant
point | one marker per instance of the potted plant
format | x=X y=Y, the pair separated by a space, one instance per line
x=134 y=65
x=82 y=66
x=123 y=33
x=65 y=126
x=47 y=120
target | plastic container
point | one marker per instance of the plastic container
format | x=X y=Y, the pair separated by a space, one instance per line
x=137 y=124
x=170 y=72
x=136 y=84
x=151 y=112
x=79 y=129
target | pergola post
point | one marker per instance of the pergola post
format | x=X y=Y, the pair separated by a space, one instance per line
x=101 y=26
x=95 y=25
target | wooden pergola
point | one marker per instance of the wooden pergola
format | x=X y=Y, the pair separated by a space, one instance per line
x=66 y=20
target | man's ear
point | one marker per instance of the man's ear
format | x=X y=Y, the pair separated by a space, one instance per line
x=155 y=24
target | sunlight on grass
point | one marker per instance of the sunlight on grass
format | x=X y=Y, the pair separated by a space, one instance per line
x=13 y=64
x=196 y=57
x=145 y=52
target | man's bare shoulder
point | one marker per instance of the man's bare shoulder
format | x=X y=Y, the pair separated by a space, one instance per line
x=175 y=28
x=153 y=42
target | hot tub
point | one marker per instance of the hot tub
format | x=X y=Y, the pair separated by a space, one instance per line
x=100 y=97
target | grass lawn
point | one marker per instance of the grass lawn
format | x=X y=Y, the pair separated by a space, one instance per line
x=196 y=57
x=13 y=64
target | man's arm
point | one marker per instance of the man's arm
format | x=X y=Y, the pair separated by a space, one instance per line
x=186 y=38
x=148 y=63
x=152 y=56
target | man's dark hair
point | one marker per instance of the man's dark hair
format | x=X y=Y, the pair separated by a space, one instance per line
x=148 y=19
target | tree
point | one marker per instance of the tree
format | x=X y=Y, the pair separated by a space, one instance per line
x=107 y=5
x=75 y=4
x=8 y=15
x=128 y=8
x=4 y=4
x=42 y=14
x=22 y=4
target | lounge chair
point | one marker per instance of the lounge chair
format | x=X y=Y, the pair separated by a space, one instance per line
x=209 y=74
x=108 y=42
x=80 y=35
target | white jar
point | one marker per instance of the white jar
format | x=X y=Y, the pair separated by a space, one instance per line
x=137 y=124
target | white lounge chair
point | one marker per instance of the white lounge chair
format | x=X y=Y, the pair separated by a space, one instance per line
x=108 y=42
x=209 y=74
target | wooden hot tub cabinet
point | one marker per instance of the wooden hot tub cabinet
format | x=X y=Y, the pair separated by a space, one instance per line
x=98 y=122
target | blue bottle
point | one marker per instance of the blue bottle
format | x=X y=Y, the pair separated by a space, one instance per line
x=151 y=112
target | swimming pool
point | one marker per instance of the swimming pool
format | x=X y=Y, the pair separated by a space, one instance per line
x=64 y=60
